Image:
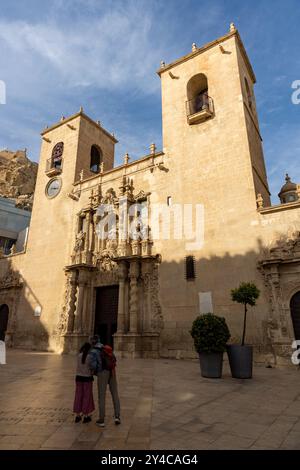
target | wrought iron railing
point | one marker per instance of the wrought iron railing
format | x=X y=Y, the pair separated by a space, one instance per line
x=53 y=164
x=201 y=102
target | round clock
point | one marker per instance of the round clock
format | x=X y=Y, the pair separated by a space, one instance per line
x=53 y=187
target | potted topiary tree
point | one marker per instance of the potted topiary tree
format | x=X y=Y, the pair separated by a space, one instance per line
x=241 y=355
x=210 y=334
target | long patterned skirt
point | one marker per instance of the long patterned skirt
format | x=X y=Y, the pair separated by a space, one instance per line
x=84 y=401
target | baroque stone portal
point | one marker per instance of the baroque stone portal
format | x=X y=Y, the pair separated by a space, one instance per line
x=120 y=258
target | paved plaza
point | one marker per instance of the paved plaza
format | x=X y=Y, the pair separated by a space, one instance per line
x=166 y=404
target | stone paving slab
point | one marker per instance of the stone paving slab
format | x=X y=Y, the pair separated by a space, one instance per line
x=165 y=404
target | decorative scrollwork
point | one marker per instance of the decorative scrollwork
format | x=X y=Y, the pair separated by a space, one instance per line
x=11 y=279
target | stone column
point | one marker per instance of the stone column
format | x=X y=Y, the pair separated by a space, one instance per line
x=72 y=301
x=87 y=236
x=133 y=303
x=96 y=247
x=79 y=307
x=121 y=304
x=123 y=226
x=146 y=276
x=86 y=314
x=92 y=236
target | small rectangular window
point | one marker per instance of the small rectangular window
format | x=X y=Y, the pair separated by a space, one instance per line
x=190 y=271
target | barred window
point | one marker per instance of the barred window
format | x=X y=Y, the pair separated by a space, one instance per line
x=190 y=271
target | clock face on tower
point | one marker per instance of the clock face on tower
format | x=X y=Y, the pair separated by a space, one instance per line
x=53 y=187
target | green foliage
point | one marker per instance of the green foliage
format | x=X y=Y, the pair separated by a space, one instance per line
x=247 y=293
x=210 y=333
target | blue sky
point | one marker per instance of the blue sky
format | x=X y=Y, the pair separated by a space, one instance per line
x=58 y=55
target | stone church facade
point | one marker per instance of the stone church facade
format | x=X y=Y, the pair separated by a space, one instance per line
x=143 y=293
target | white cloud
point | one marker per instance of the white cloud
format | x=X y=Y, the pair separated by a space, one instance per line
x=63 y=59
x=106 y=52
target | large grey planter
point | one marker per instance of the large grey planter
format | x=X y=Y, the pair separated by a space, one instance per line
x=240 y=360
x=211 y=365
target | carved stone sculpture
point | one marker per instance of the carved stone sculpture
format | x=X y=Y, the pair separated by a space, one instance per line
x=79 y=243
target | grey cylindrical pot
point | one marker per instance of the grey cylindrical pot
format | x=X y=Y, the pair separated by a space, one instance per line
x=240 y=360
x=211 y=365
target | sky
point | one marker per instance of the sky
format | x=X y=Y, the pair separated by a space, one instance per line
x=58 y=55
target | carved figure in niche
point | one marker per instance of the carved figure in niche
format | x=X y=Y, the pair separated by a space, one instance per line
x=79 y=243
x=284 y=246
x=11 y=278
x=110 y=197
x=106 y=262
x=111 y=247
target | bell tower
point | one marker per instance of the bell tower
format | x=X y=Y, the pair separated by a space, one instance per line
x=210 y=124
x=77 y=147
x=73 y=149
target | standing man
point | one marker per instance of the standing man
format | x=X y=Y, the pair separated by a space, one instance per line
x=103 y=364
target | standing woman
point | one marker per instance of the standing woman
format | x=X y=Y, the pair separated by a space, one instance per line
x=84 y=401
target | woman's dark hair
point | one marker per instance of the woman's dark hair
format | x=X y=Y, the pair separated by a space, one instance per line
x=84 y=350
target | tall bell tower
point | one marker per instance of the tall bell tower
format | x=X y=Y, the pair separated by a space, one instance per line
x=210 y=124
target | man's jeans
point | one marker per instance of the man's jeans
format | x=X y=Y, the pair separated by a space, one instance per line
x=106 y=377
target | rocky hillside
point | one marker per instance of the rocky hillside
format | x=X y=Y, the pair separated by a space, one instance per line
x=17 y=177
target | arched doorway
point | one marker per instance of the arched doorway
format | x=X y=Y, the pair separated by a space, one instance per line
x=295 y=313
x=4 y=312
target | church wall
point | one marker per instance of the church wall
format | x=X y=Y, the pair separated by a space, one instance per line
x=48 y=246
x=253 y=131
x=210 y=164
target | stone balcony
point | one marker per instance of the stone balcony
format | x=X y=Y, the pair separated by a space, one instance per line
x=53 y=168
x=199 y=109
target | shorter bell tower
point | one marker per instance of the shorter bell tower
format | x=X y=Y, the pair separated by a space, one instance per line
x=77 y=147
